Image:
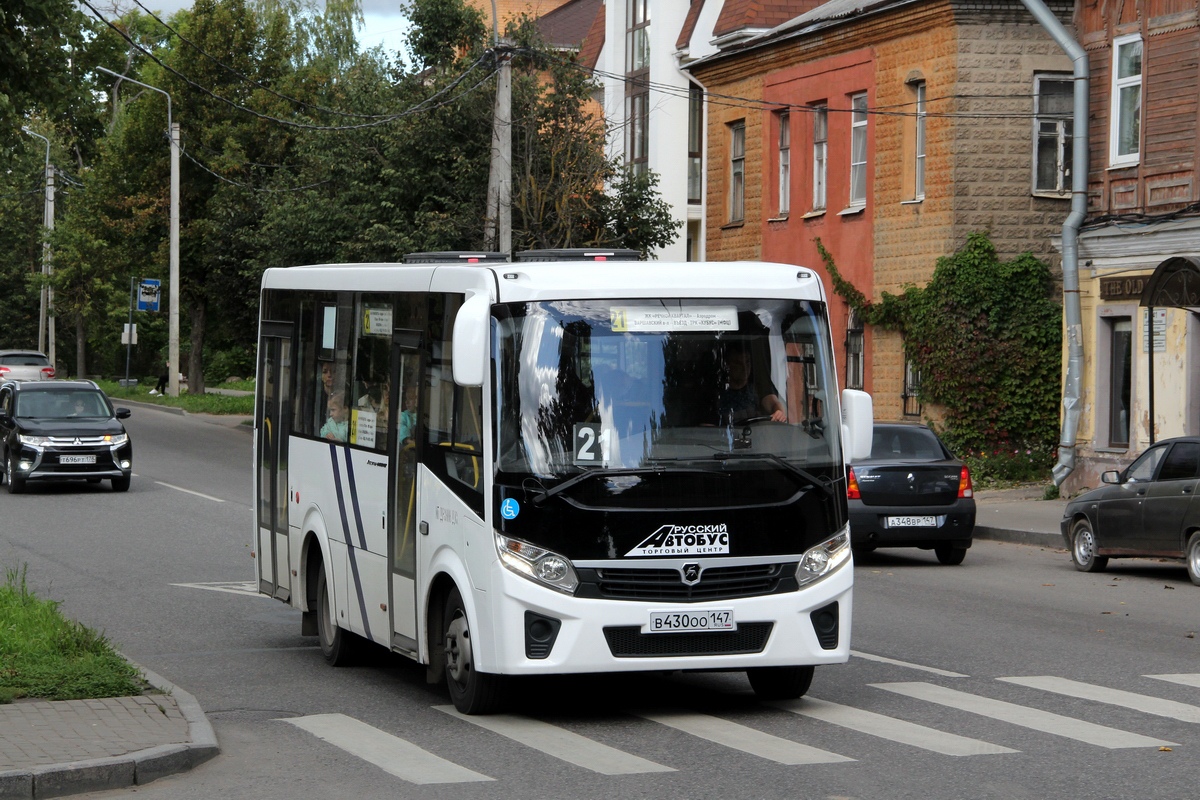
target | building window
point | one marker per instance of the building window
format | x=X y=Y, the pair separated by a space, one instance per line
x=854 y=351
x=858 y=150
x=1120 y=380
x=919 y=165
x=1126 y=110
x=820 y=117
x=785 y=163
x=695 y=144
x=737 y=171
x=1053 y=106
x=912 y=388
x=637 y=84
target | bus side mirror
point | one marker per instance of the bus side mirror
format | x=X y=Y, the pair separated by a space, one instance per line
x=858 y=425
x=469 y=351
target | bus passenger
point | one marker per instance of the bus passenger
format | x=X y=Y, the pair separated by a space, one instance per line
x=337 y=427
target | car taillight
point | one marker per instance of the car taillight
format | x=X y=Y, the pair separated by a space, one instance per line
x=3 y=371
x=964 y=483
x=852 y=492
x=48 y=373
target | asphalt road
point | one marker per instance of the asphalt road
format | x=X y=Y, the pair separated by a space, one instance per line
x=1011 y=676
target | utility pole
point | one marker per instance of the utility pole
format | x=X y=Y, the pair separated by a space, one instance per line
x=498 y=224
x=46 y=308
x=173 y=310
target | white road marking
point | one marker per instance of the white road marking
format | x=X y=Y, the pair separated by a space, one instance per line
x=189 y=491
x=1184 y=678
x=561 y=744
x=890 y=728
x=391 y=754
x=233 y=587
x=1114 y=697
x=885 y=660
x=1024 y=716
x=739 y=737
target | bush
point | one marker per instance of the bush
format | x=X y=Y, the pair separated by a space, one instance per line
x=237 y=362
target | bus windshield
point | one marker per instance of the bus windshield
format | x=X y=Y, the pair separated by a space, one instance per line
x=614 y=385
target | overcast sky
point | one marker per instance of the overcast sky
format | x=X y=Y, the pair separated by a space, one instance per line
x=383 y=22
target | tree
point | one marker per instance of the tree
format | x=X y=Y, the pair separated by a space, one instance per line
x=36 y=39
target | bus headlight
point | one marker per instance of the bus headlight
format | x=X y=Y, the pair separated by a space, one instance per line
x=824 y=558
x=541 y=566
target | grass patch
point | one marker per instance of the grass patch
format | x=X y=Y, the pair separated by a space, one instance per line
x=193 y=403
x=45 y=655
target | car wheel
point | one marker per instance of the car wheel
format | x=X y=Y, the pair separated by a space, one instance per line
x=121 y=484
x=16 y=484
x=338 y=645
x=780 y=683
x=1193 y=558
x=1083 y=548
x=472 y=691
x=949 y=554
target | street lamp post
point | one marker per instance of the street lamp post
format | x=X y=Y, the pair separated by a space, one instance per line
x=46 y=308
x=173 y=309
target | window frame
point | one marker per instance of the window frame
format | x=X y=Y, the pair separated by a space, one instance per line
x=783 y=126
x=1119 y=84
x=737 y=171
x=859 y=141
x=637 y=85
x=855 y=351
x=1063 y=134
x=820 y=157
x=919 y=142
x=695 y=144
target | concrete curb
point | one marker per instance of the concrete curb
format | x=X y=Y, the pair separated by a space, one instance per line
x=1039 y=538
x=119 y=772
x=140 y=404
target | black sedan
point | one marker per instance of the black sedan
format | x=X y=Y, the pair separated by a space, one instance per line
x=911 y=492
x=62 y=430
x=1148 y=509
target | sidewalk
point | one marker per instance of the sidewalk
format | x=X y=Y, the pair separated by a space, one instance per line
x=56 y=748
x=51 y=749
x=1019 y=515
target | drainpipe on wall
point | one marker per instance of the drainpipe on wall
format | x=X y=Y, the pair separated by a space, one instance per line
x=1072 y=385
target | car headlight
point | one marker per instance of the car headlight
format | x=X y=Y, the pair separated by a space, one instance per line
x=539 y=565
x=36 y=441
x=824 y=558
x=116 y=438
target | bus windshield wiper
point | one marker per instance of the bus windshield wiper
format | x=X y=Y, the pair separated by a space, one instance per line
x=574 y=480
x=825 y=485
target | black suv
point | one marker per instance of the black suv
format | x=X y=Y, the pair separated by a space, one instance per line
x=62 y=430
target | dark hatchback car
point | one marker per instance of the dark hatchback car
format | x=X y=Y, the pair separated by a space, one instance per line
x=1148 y=509
x=62 y=430
x=911 y=492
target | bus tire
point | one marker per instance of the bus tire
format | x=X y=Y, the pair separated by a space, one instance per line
x=337 y=644
x=780 y=683
x=472 y=691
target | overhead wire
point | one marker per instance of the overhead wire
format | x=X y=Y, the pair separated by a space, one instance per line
x=425 y=105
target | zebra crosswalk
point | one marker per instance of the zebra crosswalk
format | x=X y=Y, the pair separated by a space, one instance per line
x=412 y=763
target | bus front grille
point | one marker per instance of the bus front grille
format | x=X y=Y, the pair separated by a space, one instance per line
x=716 y=583
x=630 y=642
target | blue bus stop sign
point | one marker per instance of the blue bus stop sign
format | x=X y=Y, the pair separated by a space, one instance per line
x=148 y=292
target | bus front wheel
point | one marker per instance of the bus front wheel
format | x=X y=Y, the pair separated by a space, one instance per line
x=472 y=691
x=780 y=683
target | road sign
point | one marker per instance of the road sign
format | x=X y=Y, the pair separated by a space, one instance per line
x=148 y=292
x=125 y=337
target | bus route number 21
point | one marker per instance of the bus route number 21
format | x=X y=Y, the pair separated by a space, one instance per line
x=591 y=443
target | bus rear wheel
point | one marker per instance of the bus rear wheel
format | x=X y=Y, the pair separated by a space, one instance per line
x=337 y=644
x=472 y=691
x=780 y=683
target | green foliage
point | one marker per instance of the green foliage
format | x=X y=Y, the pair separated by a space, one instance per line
x=45 y=655
x=235 y=362
x=208 y=403
x=986 y=337
x=443 y=30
